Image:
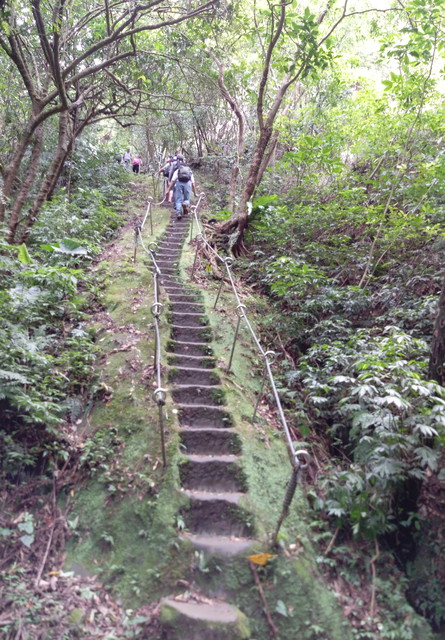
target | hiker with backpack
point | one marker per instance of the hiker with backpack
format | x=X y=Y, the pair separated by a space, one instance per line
x=166 y=171
x=127 y=159
x=183 y=183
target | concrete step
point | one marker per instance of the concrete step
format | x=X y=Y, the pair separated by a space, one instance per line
x=191 y=334
x=206 y=620
x=189 y=348
x=184 y=297
x=207 y=441
x=212 y=473
x=191 y=361
x=189 y=318
x=216 y=513
x=210 y=395
x=203 y=417
x=187 y=307
x=180 y=375
x=227 y=546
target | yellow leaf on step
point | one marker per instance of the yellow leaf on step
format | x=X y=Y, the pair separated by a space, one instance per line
x=261 y=558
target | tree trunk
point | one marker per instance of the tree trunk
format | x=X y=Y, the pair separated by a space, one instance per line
x=437 y=357
x=11 y=170
x=27 y=184
x=52 y=175
x=239 y=220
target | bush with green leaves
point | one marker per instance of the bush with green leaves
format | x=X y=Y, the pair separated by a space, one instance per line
x=385 y=421
x=47 y=356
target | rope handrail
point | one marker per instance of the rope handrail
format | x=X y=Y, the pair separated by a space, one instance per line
x=299 y=458
x=160 y=393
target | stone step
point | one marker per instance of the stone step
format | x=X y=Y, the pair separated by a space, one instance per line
x=212 y=473
x=191 y=334
x=209 y=440
x=210 y=395
x=163 y=248
x=216 y=513
x=183 y=297
x=189 y=348
x=228 y=546
x=176 y=288
x=181 y=376
x=206 y=620
x=172 y=289
x=174 y=253
x=189 y=318
x=191 y=361
x=170 y=269
x=180 y=307
x=166 y=261
x=203 y=417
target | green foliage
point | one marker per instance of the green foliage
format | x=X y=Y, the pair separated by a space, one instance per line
x=47 y=356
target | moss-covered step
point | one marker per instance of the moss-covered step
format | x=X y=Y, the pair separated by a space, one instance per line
x=209 y=620
x=223 y=547
x=191 y=334
x=201 y=362
x=193 y=375
x=212 y=473
x=217 y=513
x=190 y=318
x=186 y=307
x=209 y=441
x=183 y=297
x=209 y=395
x=182 y=347
x=204 y=416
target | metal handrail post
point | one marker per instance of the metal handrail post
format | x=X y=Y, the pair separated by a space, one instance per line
x=136 y=236
x=260 y=395
x=227 y=263
x=219 y=293
x=198 y=242
x=272 y=356
x=234 y=343
x=240 y=311
x=192 y=216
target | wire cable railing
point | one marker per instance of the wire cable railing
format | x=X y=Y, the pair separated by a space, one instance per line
x=299 y=458
x=160 y=393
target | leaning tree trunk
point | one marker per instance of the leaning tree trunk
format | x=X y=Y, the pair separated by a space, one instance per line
x=20 y=199
x=437 y=357
x=238 y=222
x=52 y=175
x=11 y=170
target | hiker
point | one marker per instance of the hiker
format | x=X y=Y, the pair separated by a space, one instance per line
x=117 y=158
x=126 y=159
x=137 y=161
x=182 y=182
x=165 y=170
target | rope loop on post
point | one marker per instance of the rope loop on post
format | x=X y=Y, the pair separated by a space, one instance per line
x=302 y=459
x=270 y=357
x=160 y=396
x=241 y=310
x=228 y=261
x=156 y=309
x=153 y=246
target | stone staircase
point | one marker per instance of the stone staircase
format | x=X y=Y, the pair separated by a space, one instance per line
x=211 y=473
